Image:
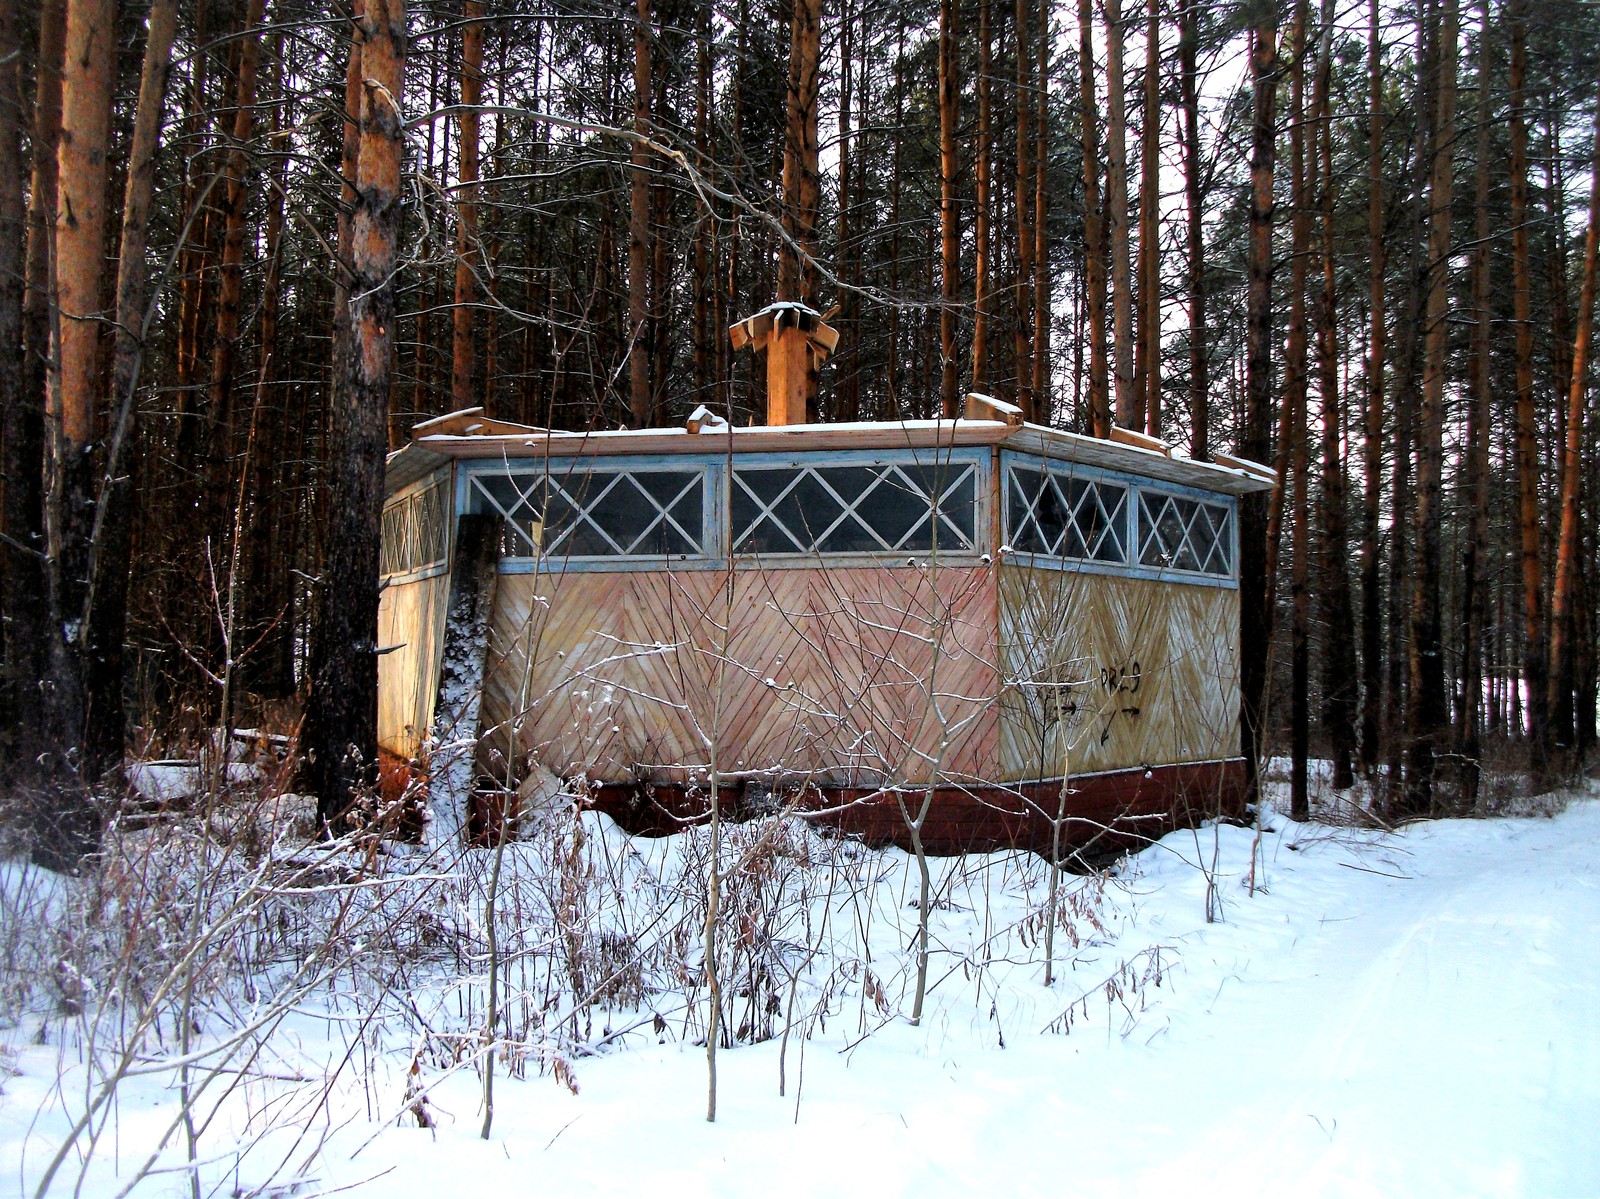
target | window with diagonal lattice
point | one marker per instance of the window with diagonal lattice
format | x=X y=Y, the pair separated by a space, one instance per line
x=595 y=512
x=855 y=508
x=1063 y=515
x=1176 y=533
x=416 y=534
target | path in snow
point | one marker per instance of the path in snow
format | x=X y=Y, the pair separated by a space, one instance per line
x=1432 y=1036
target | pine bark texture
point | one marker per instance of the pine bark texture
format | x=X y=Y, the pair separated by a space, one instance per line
x=1427 y=710
x=1147 y=388
x=68 y=827
x=1294 y=400
x=24 y=583
x=1338 y=651
x=1474 y=567
x=111 y=543
x=949 y=219
x=1372 y=445
x=463 y=342
x=1563 y=653
x=1122 y=347
x=1255 y=615
x=1194 y=233
x=639 y=389
x=1094 y=230
x=1023 y=317
x=13 y=242
x=1534 y=669
x=342 y=716
x=981 y=206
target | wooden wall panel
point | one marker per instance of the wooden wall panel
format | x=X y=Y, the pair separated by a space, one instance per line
x=410 y=617
x=1108 y=673
x=617 y=676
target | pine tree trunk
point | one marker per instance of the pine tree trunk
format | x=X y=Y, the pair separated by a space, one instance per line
x=1094 y=231
x=23 y=580
x=1129 y=415
x=269 y=668
x=1338 y=658
x=68 y=827
x=1428 y=714
x=1022 y=329
x=1042 y=404
x=1372 y=449
x=1194 y=228
x=980 y=217
x=119 y=491
x=703 y=284
x=1255 y=614
x=797 y=269
x=1294 y=399
x=639 y=381
x=230 y=292
x=13 y=240
x=1563 y=657
x=797 y=272
x=1147 y=385
x=463 y=343
x=949 y=231
x=1474 y=572
x=341 y=722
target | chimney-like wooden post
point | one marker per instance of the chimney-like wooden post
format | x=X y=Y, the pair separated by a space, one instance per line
x=797 y=341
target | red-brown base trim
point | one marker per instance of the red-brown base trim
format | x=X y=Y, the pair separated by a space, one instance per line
x=1100 y=813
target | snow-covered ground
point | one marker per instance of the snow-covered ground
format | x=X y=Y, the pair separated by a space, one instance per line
x=1415 y=1013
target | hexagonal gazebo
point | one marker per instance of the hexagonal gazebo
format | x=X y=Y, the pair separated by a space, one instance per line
x=1035 y=631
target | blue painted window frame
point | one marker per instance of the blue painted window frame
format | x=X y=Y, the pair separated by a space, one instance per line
x=1139 y=487
x=715 y=534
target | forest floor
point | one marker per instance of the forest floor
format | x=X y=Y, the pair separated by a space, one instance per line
x=1368 y=1013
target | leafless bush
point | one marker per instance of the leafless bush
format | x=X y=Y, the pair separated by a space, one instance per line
x=202 y=931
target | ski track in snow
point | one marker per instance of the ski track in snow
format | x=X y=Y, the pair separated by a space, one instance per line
x=1415 y=1014
x=1436 y=1038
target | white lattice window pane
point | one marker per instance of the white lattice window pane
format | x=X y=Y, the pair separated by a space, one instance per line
x=597 y=513
x=1218 y=559
x=854 y=509
x=930 y=506
x=1025 y=494
x=415 y=536
x=1061 y=515
x=523 y=529
x=1183 y=534
x=433 y=525
x=390 y=554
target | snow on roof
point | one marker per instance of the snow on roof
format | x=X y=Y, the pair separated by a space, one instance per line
x=470 y=434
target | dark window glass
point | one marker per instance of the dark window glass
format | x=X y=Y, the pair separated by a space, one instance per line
x=1182 y=534
x=1059 y=515
x=597 y=514
x=1099 y=516
x=866 y=509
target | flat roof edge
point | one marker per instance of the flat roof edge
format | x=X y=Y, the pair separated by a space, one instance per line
x=410 y=463
x=437 y=442
x=1244 y=479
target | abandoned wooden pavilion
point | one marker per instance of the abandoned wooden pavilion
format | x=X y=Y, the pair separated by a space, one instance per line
x=1039 y=629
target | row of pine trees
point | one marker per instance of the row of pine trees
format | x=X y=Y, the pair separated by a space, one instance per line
x=245 y=244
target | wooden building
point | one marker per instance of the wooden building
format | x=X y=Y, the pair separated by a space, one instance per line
x=1042 y=628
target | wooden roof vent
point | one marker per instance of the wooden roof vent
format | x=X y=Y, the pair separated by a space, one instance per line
x=796 y=340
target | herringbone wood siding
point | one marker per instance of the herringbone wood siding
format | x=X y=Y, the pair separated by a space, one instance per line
x=840 y=672
x=1138 y=672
